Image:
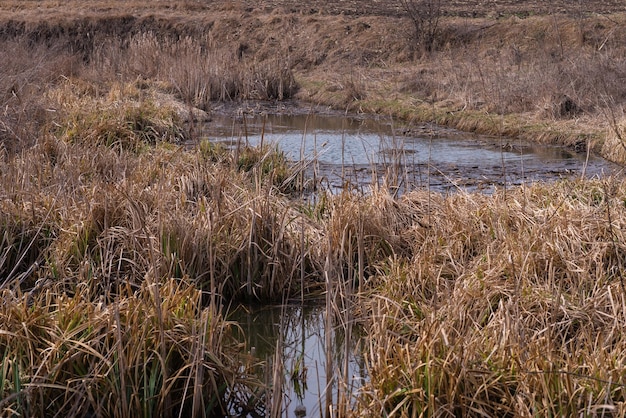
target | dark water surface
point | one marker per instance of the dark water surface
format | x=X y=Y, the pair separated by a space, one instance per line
x=362 y=149
x=308 y=360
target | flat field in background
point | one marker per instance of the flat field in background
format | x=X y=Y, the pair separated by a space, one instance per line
x=359 y=7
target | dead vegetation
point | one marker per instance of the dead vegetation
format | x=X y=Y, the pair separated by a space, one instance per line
x=476 y=304
x=119 y=244
x=502 y=316
x=554 y=77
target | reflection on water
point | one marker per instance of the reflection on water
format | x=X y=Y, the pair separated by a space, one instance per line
x=360 y=150
x=294 y=345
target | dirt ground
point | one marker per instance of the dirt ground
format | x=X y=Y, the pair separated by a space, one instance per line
x=469 y=8
x=454 y=7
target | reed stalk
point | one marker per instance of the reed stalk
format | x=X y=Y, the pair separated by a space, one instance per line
x=121 y=243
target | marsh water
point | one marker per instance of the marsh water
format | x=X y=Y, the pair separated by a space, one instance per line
x=307 y=360
x=342 y=150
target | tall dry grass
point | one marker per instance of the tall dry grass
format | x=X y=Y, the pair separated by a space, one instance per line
x=475 y=304
x=502 y=305
x=556 y=79
x=23 y=79
x=533 y=65
x=198 y=70
x=66 y=353
x=510 y=305
x=119 y=245
x=163 y=212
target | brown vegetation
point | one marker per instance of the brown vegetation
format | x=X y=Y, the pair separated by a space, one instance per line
x=554 y=78
x=123 y=233
x=516 y=312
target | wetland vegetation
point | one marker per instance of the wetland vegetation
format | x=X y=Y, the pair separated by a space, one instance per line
x=127 y=236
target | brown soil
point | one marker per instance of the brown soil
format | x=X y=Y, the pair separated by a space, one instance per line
x=475 y=8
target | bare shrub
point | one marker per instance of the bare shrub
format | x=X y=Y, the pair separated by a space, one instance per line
x=425 y=15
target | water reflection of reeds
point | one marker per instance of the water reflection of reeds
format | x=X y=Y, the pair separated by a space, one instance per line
x=294 y=345
x=355 y=153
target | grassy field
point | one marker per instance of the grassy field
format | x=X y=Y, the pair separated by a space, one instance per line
x=124 y=234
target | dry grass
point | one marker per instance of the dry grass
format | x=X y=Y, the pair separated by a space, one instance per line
x=162 y=211
x=69 y=354
x=555 y=79
x=198 y=71
x=528 y=66
x=511 y=305
x=501 y=305
x=23 y=79
x=119 y=245
x=119 y=248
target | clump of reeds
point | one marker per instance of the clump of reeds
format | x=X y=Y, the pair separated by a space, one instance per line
x=614 y=146
x=119 y=258
x=197 y=70
x=145 y=352
x=509 y=306
x=123 y=125
x=362 y=230
x=107 y=190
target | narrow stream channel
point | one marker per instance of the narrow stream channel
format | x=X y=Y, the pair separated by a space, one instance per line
x=309 y=362
x=358 y=150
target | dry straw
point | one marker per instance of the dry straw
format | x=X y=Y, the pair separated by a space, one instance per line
x=509 y=306
x=123 y=236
